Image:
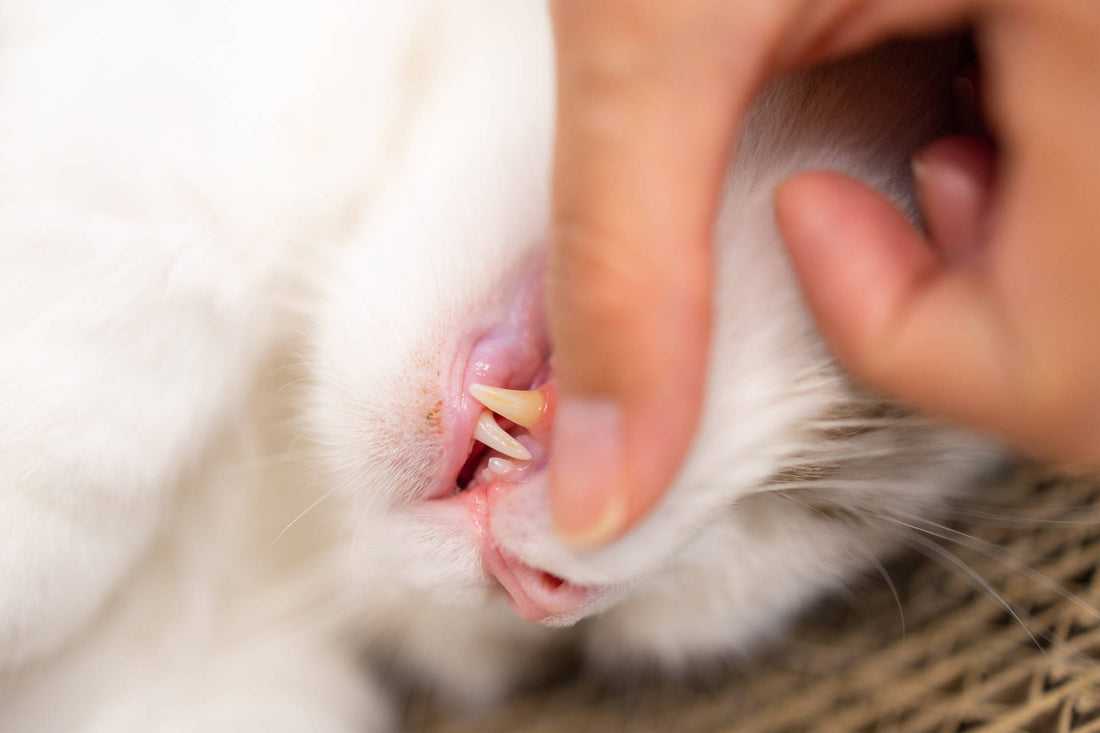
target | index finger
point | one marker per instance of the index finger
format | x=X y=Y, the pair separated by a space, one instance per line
x=648 y=102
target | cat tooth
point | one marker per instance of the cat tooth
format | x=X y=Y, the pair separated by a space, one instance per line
x=501 y=466
x=492 y=435
x=521 y=406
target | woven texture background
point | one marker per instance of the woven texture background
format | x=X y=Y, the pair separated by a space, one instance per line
x=993 y=631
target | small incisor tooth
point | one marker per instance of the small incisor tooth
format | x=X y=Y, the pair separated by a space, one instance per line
x=500 y=466
x=492 y=435
x=521 y=406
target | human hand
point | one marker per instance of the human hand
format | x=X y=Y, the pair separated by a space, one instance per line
x=990 y=320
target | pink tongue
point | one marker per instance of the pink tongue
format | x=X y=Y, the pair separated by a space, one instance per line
x=536 y=595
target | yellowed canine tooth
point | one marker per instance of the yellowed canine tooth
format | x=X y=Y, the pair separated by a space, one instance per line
x=521 y=406
x=492 y=435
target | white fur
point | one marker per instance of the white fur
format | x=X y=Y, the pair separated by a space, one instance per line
x=241 y=243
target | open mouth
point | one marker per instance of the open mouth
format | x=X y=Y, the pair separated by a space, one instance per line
x=507 y=366
x=508 y=449
x=499 y=423
x=508 y=438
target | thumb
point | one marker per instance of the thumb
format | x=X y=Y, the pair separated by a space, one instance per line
x=895 y=311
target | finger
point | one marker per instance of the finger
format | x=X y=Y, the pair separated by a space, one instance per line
x=645 y=126
x=954 y=179
x=895 y=316
x=1016 y=356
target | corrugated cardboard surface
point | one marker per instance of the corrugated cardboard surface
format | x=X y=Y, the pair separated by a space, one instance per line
x=994 y=629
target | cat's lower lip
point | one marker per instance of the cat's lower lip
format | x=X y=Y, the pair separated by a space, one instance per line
x=534 y=594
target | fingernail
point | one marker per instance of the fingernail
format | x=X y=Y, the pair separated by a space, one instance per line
x=588 y=502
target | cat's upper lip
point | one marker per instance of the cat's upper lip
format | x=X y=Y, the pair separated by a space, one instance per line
x=512 y=353
x=470 y=418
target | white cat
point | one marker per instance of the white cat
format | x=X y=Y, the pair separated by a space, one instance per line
x=254 y=256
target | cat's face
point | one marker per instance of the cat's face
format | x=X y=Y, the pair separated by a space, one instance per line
x=441 y=290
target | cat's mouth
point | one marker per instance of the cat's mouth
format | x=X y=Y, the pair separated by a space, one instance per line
x=508 y=449
x=499 y=422
x=509 y=435
x=497 y=405
x=503 y=459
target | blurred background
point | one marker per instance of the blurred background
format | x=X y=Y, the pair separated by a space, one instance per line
x=991 y=624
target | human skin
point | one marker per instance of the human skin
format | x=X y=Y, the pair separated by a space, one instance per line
x=989 y=319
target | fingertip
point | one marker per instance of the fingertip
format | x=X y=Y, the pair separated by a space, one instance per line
x=617 y=449
x=608 y=472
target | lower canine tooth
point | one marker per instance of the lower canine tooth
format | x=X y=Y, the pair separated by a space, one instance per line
x=521 y=406
x=488 y=432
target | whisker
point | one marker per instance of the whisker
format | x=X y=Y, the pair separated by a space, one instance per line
x=877 y=564
x=999 y=554
x=1010 y=520
x=867 y=553
x=294 y=383
x=976 y=577
x=304 y=512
